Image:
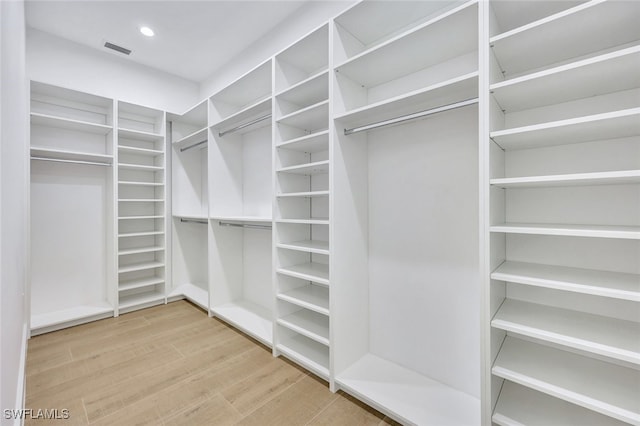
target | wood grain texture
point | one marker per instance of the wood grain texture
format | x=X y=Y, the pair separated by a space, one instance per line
x=173 y=365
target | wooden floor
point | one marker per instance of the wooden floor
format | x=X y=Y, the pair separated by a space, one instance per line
x=173 y=365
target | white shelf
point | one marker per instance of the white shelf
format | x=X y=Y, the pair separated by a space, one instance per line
x=69 y=124
x=406 y=395
x=256 y=110
x=141 y=234
x=141 y=250
x=140 y=167
x=312 y=297
x=62 y=154
x=312 y=118
x=610 y=125
x=313 y=87
x=577 y=80
x=140 y=300
x=519 y=406
x=194 y=293
x=134 y=183
x=249 y=317
x=191 y=217
x=311 y=324
x=405 y=53
x=140 y=217
x=314 y=142
x=140 y=135
x=77 y=313
x=246 y=90
x=248 y=219
x=308 y=194
x=587 y=281
x=140 y=267
x=141 y=200
x=319 y=167
x=195 y=137
x=594 y=231
x=597 y=334
x=316 y=272
x=305 y=221
x=600 y=386
x=583 y=179
x=307 y=246
x=308 y=353
x=568 y=34
x=447 y=92
x=139 y=283
x=140 y=151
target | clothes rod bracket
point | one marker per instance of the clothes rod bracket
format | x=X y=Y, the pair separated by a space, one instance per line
x=412 y=116
x=193 y=146
x=60 y=160
x=202 y=222
x=244 y=225
x=242 y=126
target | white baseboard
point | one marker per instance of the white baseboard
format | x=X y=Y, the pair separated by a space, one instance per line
x=21 y=390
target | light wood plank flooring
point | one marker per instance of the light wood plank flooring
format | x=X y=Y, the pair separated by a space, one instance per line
x=174 y=365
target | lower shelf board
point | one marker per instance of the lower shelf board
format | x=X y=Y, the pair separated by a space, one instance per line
x=308 y=323
x=195 y=293
x=312 y=355
x=519 y=405
x=68 y=315
x=249 y=317
x=606 y=388
x=316 y=272
x=140 y=300
x=407 y=396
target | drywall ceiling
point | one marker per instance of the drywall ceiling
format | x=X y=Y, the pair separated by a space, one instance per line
x=192 y=39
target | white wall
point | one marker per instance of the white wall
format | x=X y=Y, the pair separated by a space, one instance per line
x=13 y=210
x=302 y=21
x=61 y=62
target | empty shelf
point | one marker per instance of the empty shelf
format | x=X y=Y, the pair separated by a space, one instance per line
x=257 y=219
x=308 y=353
x=61 y=154
x=316 y=272
x=600 y=335
x=308 y=194
x=600 y=386
x=140 y=151
x=77 y=313
x=195 y=137
x=598 y=178
x=140 y=200
x=140 y=167
x=135 y=183
x=248 y=317
x=519 y=405
x=140 y=250
x=140 y=299
x=595 y=231
x=313 y=325
x=69 y=124
x=140 y=234
x=310 y=91
x=140 y=267
x=305 y=221
x=139 y=283
x=312 y=118
x=140 y=217
x=311 y=297
x=195 y=293
x=599 y=283
x=406 y=395
x=140 y=135
x=308 y=168
x=256 y=110
x=314 y=142
x=308 y=246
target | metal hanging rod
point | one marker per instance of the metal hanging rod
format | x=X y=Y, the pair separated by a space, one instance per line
x=242 y=126
x=203 y=222
x=193 y=146
x=411 y=116
x=60 y=160
x=244 y=225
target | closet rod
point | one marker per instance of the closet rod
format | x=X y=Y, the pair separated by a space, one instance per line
x=411 y=116
x=244 y=225
x=242 y=126
x=193 y=146
x=59 y=160
x=203 y=222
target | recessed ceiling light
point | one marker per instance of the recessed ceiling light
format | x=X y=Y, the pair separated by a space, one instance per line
x=147 y=31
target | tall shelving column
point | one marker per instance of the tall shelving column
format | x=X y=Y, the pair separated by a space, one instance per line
x=240 y=212
x=301 y=205
x=405 y=282
x=188 y=134
x=71 y=208
x=565 y=213
x=142 y=212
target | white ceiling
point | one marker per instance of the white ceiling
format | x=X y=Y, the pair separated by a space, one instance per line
x=193 y=38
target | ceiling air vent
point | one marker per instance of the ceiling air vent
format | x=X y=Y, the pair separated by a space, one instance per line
x=117 y=48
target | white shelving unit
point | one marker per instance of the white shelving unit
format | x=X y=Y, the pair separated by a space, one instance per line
x=564 y=219
x=142 y=212
x=404 y=267
x=190 y=206
x=71 y=206
x=301 y=204
x=240 y=214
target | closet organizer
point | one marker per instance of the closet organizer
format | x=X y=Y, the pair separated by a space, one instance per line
x=432 y=205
